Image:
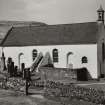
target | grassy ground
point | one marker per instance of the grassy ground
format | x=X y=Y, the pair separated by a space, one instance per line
x=93 y=84
x=8 y=97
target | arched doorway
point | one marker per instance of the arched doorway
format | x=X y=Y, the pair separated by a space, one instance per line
x=69 y=64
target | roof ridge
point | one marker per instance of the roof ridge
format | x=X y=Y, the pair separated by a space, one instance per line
x=39 y=26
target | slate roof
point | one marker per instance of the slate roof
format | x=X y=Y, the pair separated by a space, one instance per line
x=3 y=31
x=63 y=34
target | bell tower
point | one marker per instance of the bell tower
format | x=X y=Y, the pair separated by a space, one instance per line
x=100 y=12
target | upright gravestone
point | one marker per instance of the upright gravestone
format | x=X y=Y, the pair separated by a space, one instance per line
x=9 y=63
x=3 y=65
x=12 y=71
x=27 y=78
x=15 y=71
x=23 y=70
x=22 y=67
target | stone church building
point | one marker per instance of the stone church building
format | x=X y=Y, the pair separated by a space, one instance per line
x=70 y=45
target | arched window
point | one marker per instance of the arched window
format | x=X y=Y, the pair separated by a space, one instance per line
x=103 y=51
x=84 y=59
x=55 y=55
x=34 y=54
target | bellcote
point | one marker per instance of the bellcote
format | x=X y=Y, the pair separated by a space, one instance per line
x=100 y=12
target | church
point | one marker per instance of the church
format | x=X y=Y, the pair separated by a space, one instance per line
x=70 y=45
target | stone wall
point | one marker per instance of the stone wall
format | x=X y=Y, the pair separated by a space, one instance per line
x=58 y=74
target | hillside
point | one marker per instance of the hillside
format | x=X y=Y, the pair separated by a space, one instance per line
x=21 y=23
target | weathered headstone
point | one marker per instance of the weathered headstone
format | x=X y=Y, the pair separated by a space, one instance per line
x=28 y=78
x=3 y=65
x=23 y=70
x=12 y=69
x=9 y=63
x=22 y=66
x=15 y=70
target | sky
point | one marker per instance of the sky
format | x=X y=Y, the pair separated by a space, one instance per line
x=50 y=11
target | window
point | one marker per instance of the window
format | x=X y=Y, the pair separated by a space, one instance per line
x=100 y=16
x=103 y=51
x=84 y=59
x=55 y=55
x=34 y=54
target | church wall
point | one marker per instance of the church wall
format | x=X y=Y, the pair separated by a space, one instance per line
x=90 y=51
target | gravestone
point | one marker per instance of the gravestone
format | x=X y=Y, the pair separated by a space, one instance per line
x=9 y=63
x=15 y=71
x=23 y=70
x=2 y=63
x=12 y=69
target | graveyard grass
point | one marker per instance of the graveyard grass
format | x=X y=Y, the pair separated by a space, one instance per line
x=9 y=97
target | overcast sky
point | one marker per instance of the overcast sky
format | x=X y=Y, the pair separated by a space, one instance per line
x=50 y=11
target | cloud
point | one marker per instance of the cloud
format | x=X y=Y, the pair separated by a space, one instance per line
x=12 y=5
x=38 y=1
x=50 y=11
x=12 y=9
x=62 y=11
x=39 y=4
